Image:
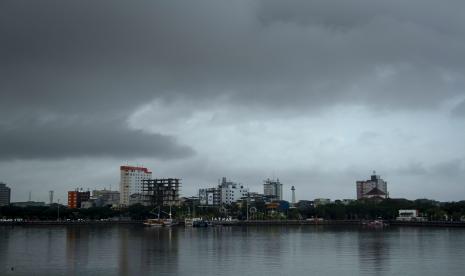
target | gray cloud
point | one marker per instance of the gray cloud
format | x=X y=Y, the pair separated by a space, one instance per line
x=459 y=110
x=51 y=139
x=73 y=74
x=293 y=54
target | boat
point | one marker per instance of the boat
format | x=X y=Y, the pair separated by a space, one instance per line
x=200 y=223
x=159 y=222
x=190 y=221
x=377 y=223
x=154 y=222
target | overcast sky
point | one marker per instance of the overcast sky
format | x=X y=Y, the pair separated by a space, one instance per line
x=317 y=93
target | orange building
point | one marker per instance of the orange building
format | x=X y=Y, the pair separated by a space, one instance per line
x=75 y=198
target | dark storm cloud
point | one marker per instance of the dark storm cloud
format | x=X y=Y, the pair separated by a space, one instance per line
x=55 y=139
x=262 y=52
x=105 y=58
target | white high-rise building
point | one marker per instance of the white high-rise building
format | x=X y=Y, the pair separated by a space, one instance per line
x=131 y=182
x=231 y=192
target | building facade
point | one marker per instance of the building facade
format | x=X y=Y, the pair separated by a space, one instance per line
x=210 y=197
x=161 y=192
x=106 y=197
x=75 y=198
x=375 y=187
x=227 y=192
x=273 y=189
x=5 y=194
x=131 y=182
x=231 y=192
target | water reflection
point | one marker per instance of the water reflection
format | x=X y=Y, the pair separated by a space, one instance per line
x=300 y=250
x=77 y=248
x=148 y=249
x=373 y=251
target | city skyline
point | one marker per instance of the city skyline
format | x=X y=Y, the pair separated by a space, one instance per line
x=266 y=190
x=318 y=93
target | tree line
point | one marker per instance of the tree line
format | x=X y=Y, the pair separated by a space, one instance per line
x=360 y=209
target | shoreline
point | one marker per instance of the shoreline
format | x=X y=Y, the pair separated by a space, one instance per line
x=248 y=223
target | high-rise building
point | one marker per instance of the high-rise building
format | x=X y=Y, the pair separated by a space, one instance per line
x=273 y=189
x=375 y=187
x=75 y=198
x=131 y=182
x=5 y=194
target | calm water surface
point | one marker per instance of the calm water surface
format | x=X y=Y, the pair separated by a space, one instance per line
x=298 y=250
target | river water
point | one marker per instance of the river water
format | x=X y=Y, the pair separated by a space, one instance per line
x=265 y=250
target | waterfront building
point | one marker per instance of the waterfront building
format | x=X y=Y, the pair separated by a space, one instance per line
x=131 y=182
x=161 y=192
x=375 y=188
x=231 y=191
x=273 y=189
x=210 y=197
x=106 y=197
x=410 y=215
x=227 y=192
x=75 y=198
x=5 y=194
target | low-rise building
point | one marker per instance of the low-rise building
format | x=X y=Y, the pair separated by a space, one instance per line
x=28 y=204
x=321 y=201
x=410 y=215
x=106 y=198
x=305 y=204
x=75 y=198
x=210 y=197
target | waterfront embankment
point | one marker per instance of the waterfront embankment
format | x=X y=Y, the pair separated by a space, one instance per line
x=250 y=223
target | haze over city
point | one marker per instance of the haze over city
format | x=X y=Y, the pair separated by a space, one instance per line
x=318 y=94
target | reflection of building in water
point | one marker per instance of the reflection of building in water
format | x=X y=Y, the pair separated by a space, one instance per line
x=77 y=248
x=373 y=251
x=157 y=250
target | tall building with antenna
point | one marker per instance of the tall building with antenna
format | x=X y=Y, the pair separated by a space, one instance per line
x=273 y=189
x=375 y=187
